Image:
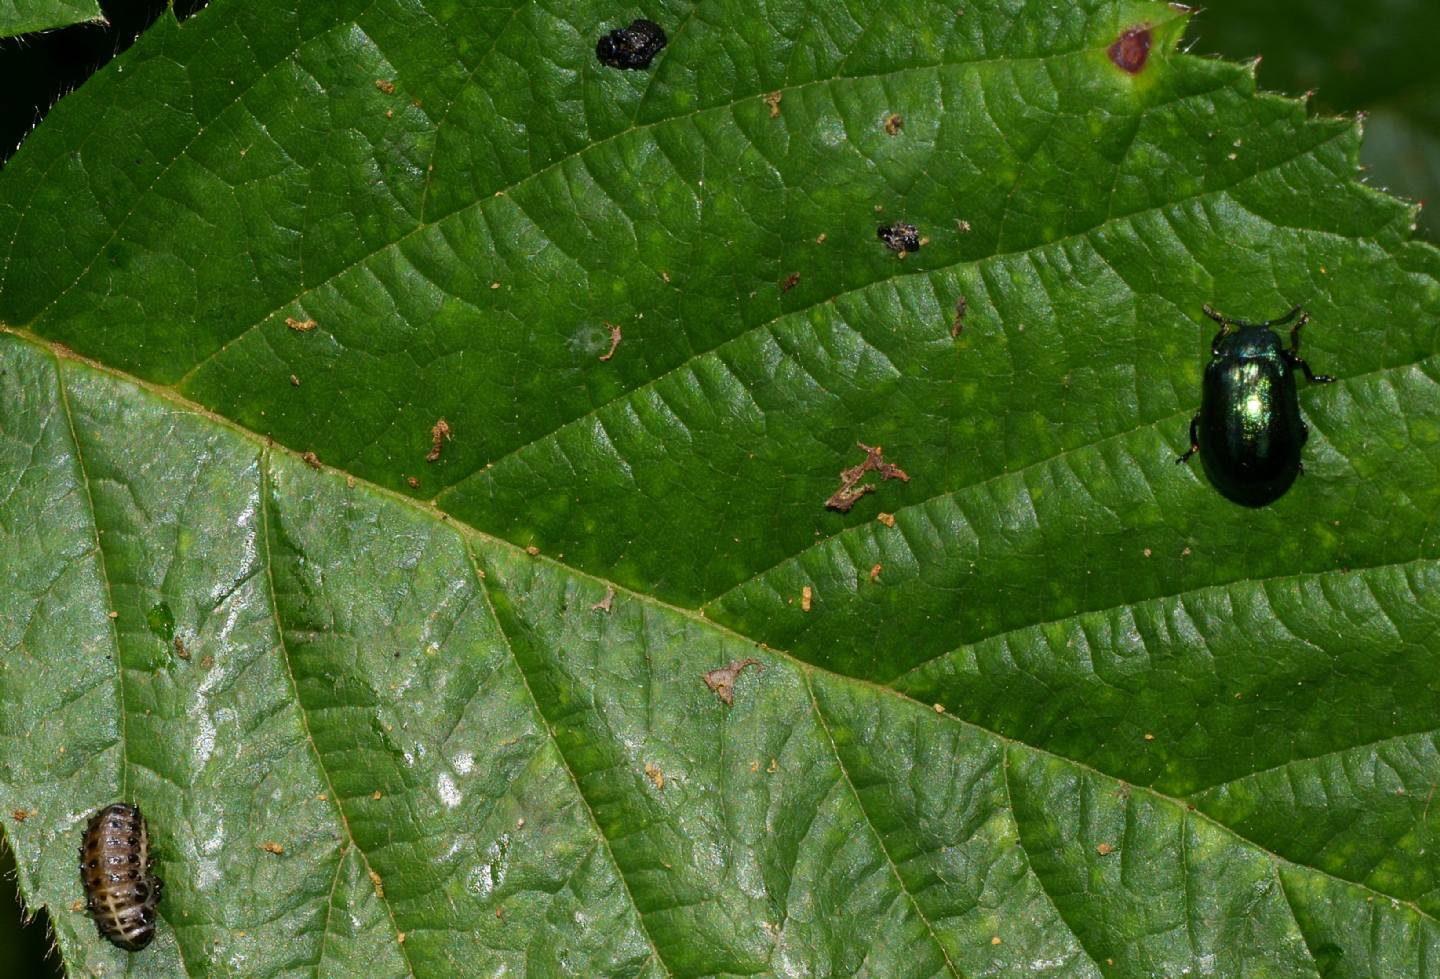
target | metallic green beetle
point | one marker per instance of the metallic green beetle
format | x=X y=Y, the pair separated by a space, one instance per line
x=1248 y=430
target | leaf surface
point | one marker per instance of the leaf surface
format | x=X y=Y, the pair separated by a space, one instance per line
x=1047 y=706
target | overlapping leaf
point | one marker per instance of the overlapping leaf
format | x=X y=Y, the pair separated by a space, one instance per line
x=23 y=16
x=1051 y=706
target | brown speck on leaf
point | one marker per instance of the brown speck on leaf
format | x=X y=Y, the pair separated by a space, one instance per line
x=533 y=551
x=294 y=381
x=1185 y=553
x=665 y=277
x=807 y=597
x=773 y=767
x=1131 y=50
x=722 y=679
x=995 y=940
x=77 y=905
x=755 y=766
x=311 y=460
x=654 y=774
x=207 y=662
x=300 y=326
x=385 y=85
x=851 y=489
x=773 y=101
x=19 y=815
x=963 y=226
x=821 y=238
x=180 y=649
x=269 y=846
x=939 y=708
x=377 y=796
x=350 y=481
x=614 y=329
x=1149 y=736
x=400 y=937
x=874 y=572
x=894 y=122
x=412 y=482
x=604 y=604
x=438 y=432
x=1104 y=849
x=888 y=519
x=495 y=285
x=1147 y=552
x=790 y=282
x=957 y=326
x=113 y=614
x=389 y=113
x=499 y=912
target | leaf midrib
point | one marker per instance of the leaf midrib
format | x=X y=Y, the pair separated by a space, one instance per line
x=64 y=355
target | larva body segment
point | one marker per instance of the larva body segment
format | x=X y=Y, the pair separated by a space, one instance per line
x=121 y=893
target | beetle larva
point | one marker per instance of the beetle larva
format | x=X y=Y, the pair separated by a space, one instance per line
x=121 y=892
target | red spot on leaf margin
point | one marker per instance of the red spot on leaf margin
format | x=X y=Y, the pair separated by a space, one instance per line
x=1131 y=50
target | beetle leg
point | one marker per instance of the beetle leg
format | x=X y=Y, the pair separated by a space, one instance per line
x=1293 y=354
x=1194 y=439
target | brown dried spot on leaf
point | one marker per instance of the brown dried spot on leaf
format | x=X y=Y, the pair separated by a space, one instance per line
x=1131 y=50
x=773 y=101
x=875 y=572
x=294 y=381
x=385 y=85
x=311 y=460
x=654 y=774
x=300 y=326
x=180 y=649
x=821 y=238
x=604 y=604
x=533 y=551
x=722 y=679
x=790 y=282
x=378 y=884
x=207 y=662
x=888 y=519
x=270 y=846
x=851 y=487
x=1104 y=849
x=19 y=815
x=807 y=598
x=77 y=905
x=413 y=482
x=962 y=306
x=614 y=329
x=894 y=122
x=438 y=432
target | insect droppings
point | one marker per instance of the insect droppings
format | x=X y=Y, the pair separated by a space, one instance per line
x=631 y=47
x=900 y=237
x=121 y=893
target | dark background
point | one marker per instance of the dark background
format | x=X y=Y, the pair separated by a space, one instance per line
x=1371 y=56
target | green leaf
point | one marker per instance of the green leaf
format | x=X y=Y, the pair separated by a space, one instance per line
x=1376 y=57
x=1049 y=706
x=23 y=16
